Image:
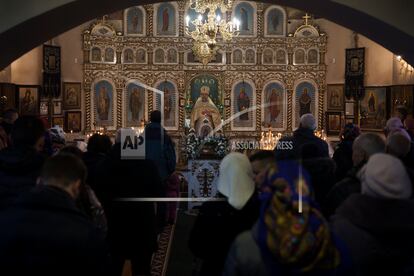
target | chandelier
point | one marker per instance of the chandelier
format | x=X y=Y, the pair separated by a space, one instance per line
x=208 y=26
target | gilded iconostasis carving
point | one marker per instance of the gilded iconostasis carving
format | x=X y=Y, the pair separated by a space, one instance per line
x=128 y=61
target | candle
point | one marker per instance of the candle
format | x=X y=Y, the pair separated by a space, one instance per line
x=187 y=20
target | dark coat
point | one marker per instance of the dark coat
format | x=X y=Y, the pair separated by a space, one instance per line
x=45 y=234
x=377 y=232
x=217 y=225
x=160 y=149
x=341 y=191
x=92 y=162
x=131 y=224
x=322 y=176
x=19 y=170
x=343 y=159
x=300 y=137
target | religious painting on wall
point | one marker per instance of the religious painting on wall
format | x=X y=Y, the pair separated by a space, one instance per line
x=305 y=101
x=245 y=12
x=299 y=56
x=166 y=21
x=44 y=108
x=218 y=59
x=109 y=55
x=57 y=107
x=169 y=92
x=333 y=123
x=335 y=97
x=354 y=73
x=281 y=57
x=250 y=56
x=268 y=56
x=72 y=95
x=275 y=21
x=313 y=56
x=135 y=103
x=243 y=98
x=349 y=108
x=28 y=99
x=402 y=96
x=373 y=108
x=103 y=103
x=193 y=15
x=159 y=56
x=191 y=58
x=135 y=21
x=141 y=56
x=58 y=121
x=73 y=121
x=206 y=106
x=128 y=56
x=96 y=54
x=273 y=107
x=204 y=80
x=172 y=56
x=237 y=56
x=51 y=84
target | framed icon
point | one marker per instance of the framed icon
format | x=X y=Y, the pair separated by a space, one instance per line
x=333 y=123
x=71 y=95
x=73 y=121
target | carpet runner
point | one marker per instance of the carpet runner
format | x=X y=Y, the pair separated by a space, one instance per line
x=160 y=259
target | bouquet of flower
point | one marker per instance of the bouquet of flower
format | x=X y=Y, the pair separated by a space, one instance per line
x=191 y=147
x=194 y=145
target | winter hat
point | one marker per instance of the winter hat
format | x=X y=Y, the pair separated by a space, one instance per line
x=393 y=124
x=236 y=179
x=384 y=176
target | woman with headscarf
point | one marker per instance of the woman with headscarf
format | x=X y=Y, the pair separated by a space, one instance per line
x=291 y=236
x=219 y=222
x=343 y=152
x=377 y=224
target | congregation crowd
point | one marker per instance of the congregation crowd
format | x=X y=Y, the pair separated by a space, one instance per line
x=296 y=211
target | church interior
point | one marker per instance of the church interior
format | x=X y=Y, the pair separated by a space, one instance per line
x=226 y=76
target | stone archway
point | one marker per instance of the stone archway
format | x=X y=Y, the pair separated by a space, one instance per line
x=38 y=25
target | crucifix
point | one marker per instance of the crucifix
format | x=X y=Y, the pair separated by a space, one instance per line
x=355 y=36
x=306 y=17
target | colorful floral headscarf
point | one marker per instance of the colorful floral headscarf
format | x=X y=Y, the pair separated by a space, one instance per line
x=298 y=242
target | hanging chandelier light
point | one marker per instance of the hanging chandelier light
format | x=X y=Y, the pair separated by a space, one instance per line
x=208 y=26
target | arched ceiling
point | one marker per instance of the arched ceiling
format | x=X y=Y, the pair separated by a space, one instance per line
x=25 y=24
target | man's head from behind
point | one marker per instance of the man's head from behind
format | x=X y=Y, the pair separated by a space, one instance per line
x=99 y=144
x=64 y=171
x=399 y=143
x=10 y=116
x=366 y=145
x=308 y=121
x=28 y=131
x=155 y=116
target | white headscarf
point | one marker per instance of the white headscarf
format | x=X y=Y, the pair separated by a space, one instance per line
x=385 y=176
x=236 y=179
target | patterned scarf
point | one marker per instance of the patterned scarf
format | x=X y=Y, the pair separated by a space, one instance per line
x=299 y=242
